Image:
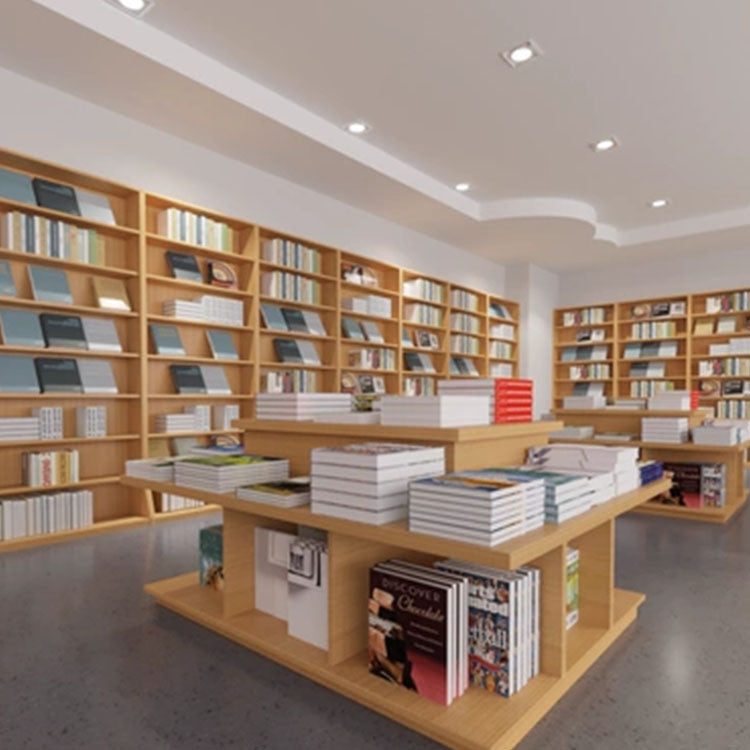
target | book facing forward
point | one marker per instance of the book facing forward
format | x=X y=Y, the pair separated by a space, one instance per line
x=21 y=328
x=65 y=331
x=111 y=294
x=184 y=266
x=166 y=340
x=187 y=379
x=56 y=196
x=17 y=374
x=58 y=375
x=50 y=285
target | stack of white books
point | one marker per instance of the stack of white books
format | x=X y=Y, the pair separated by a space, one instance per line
x=91 y=421
x=224 y=474
x=574 y=432
x=370 y=304
x=171 y=503
x=50 y=421
x=664 y=429
x=224 y=415
x=154 y=469
x=284 y=493
x=739 y=346
x=222 y=309
x=180 y=422
x=45 y=514
x=480 y=511
x=184 y=309
x=595 y=401
x=19 y=429
x=369 y=482
x=435 y=411
x=301 y=406
x=722 y=432
x=201 y=414
x=671 y=401
x=501 y=370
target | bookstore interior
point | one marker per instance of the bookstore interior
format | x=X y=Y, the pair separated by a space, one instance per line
x=315 y=404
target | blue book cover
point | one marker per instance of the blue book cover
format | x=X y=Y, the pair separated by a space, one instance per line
x=17 y=374
x=16 y=187
x=21 y=328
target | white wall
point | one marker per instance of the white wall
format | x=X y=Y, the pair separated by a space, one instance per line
x=703 y=272
x=55 y=126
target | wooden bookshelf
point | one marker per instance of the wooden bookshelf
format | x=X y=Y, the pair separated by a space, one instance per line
x=136 y=253
x=605 y=611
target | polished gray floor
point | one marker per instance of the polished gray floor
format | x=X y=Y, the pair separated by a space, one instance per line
x=88 y=661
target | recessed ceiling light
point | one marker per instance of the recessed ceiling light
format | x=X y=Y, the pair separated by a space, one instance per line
x=462 y=187
x=605 y=144
x=357 y=128
x=133 y=7
x=522 y=53
x=658 y=203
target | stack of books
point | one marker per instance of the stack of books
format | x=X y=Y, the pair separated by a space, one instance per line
x=594 y=401
x=196 y=229
x=370 y=304
x=91 y=421
x=722 y=432
x=664 y=430
x=510 y=400
x=201 y=414
x=171 y=503
x=417 y=629
x=650 y=471
x=419 y=386
x=425 y=289
x=50 y=421
x=435 y=411
x=479 y=511
x=19 y=429
x=301 y=406
x=181 y=422
x=45 y=514
x=224 y=474
x=285 y=493
x=369 y=482
x=222 y=309
x=184 y=309
x=674 y=401
x=504 y=625
x=154 y=469
x=50 y=468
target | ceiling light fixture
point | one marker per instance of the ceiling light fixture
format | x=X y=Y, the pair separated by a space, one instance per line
x=462 y=187
x=133 y=7
x=358 y=128
x=522 y=53
x=658 y=203
x=605 y=144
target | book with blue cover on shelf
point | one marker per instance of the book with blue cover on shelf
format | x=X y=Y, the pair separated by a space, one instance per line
x=187 y=379
x=58 y=375
x=53 y=195
x=50 y=285
x=287 y=350
x=222 y=344
x=273 y=317
x=21 y=328
x=166 y=340
x=17 y=374
x=16 y=187
x=295 y=320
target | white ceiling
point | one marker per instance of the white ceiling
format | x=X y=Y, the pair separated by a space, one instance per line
x=271 y=83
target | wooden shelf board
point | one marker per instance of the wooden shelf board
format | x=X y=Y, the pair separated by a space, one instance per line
x=296 y=366
x=374 y=370
x=295 y=303
x=360 y=344
x=722 y=377
x=408 y=299
x=299 y=271
x=99 y=527
x=113 y=230
x=566 y=344
x=583 y=380
x=69 y=396
x=688 y=447
x=632 y=412
x=501 y=359
x=575 y=362
x=43 y=444
x=683 y=376
x=300 y=335
x=73 y=265
x=208 y=252
x=367 y=316
x=426 y=326
x=25 y=490
x=476 y=720
x=197 y=286
x=167 y=320
x=54 y=350
x=726 y=335
x=584 y=325
x=190 y=433
x=510 y=555
x=651 y=319
x=725 y=313
x=200 y=360
x=198 y=397
x=175 y=515
x=710 y=515
x=676 y=337
x=625 y=360
x=69 y=309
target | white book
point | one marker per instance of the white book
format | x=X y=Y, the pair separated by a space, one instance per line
x=101 y=335
x=97 y=376
x=215 y=379
x=376 y=518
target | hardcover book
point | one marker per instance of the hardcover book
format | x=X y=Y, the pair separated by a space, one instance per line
x=96 y=376
x=166 y=340
x=273 y=317
x=50 y=285
x=295 y=320
x=63 y=331
x=314 y=323
x=16 y=187
x=351 y=329
x=215 y=379
x=7 y=284
x=58 y=375
x=17 y=374
x=413 y=362
x=187 y=379
x=221 y=274
x=184 y=266
x=111 y=294
x=308 y=352
x=95 y=206
x=287 y=350
x=101 y=335
x=21 y=328
x=372 y=331
x=55 y=196
x=222 y=344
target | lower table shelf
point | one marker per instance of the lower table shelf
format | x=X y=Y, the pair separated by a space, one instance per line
x=710 y=515
x=173 y=515
x=476 y=720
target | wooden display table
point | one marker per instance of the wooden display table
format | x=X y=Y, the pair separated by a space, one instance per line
x=628 y=420
x=465 y=447
x=477 y=719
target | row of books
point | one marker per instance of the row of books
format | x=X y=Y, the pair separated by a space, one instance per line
x=728 y=302
x=584 y=353
x=501 y=370
x=733 y=346
x=21 y=374
x=722 y=432
x=724 y=366
x=301 y=405
x=589 y=372
x=709 y=326
x=424 y=289
x=421 y=339
x=290 y=286
x=656 y=329
x=733 y=408
x=466 y=322
x=463 y=366
x=296 y=351
x=207 y=308
x=45 y=514
x=361 y=330
x=464 y=299
x=50 y=468
x=187 y=226
x=198 y=418
x=649 y=350
x=423 y=314
x=41 y=330
x=51 y=238
x=509 y=399
x=641 y=388
x=501 y=349
x=46 y=423
x=370 y=304
x=461 y=344
x=289 y=381
x=198 y=379
x=419 y=386
x=167 y=341
x=503 y=331
x=284 y=252
x=584 y=317
x=170 y=503
x=372 y=358
x=418 y=362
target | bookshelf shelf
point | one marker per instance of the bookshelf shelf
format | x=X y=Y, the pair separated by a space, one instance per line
x=189 y=433
x=367 y=316
x=198 y=397
x=210 y=289
x=69 y=396
x=206 y=252
x=295 y=303
x=23 y=489
x=73 y=265
x=70 y=309
x=167 y=320
x=300 y=335
x=69 y=441
x=174 y=515
x=296 y=366
x=354 y=287
x=54 y=351
x=322 y=277
x=200 y=360
x=408 y=298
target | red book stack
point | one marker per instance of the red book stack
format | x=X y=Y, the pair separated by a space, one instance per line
x=510 y=399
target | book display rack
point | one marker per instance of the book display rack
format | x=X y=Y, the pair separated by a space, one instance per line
x=478 y=719
x=205 y=311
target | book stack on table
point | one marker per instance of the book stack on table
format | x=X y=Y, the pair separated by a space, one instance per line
x=224 y=474
x=665 y=429
x=435 y=411
x=510 y=399
x=301 y=406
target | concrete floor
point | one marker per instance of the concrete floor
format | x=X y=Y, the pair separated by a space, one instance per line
x=88 y=661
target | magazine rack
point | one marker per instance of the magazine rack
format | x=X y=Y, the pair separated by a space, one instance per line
x=478 y=719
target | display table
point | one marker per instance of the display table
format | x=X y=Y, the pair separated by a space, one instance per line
x=477 y=719
x=628 y=420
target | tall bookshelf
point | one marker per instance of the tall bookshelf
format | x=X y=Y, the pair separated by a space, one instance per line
x=135 y=249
